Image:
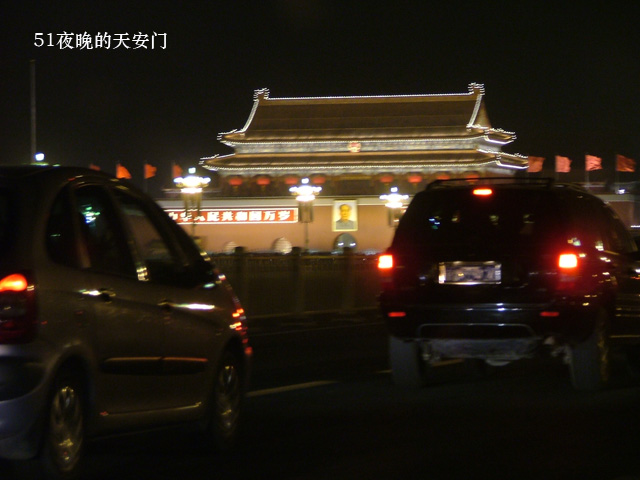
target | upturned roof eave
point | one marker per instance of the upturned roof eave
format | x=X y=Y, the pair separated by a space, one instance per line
x=327 y=163
x=494 y=135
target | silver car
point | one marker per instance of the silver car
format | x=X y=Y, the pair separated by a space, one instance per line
x=111 y=320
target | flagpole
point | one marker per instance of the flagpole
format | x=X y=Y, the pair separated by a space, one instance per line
x=33 y=110
x=586 y=171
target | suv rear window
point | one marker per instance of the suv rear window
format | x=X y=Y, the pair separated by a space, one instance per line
x=503 y=217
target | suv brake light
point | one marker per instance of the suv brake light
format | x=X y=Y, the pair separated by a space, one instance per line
x=385 y=262
x=483 y=191
x=567 y=261
x=17 y=309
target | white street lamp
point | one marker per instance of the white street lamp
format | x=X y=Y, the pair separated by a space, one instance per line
x=394 y=201
x=191 y=188
x=305 y=195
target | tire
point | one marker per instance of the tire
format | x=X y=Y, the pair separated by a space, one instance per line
x=589 y=361
x=408 y=369
x=226 y=403
x=63 y=442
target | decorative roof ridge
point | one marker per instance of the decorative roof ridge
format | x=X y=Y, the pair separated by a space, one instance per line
x=473 y=89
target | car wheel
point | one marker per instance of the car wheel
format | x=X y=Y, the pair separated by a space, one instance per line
x=226 y=404
x=590 y=359
x=408 y=369
x=63 y=443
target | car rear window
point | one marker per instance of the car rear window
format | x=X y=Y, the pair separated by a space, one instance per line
x=502 y=217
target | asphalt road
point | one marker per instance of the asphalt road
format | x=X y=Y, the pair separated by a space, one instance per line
x=322 y=406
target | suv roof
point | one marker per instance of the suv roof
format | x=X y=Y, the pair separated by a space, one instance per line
x=544 y=182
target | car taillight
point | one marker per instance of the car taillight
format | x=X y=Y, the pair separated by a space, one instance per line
x=17 y=309
x=570 y=269
x=385 y=268
x=567 y=261
x=385 y=262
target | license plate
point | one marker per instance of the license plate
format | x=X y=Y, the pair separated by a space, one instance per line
x=470 y=273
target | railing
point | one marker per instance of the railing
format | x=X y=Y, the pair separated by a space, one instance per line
x=297 y=283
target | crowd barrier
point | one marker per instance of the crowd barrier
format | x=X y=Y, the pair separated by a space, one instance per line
x=299 y=283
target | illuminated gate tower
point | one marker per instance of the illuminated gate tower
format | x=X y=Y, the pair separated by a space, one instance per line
x=355 y=148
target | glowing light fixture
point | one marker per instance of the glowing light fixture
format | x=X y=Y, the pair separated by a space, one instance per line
x=305 y=195
x=394 y=199
x=305 y=192
x=191 y=188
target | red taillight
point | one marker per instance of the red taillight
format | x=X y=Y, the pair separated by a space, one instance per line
x=483 y=192
x=17 y=310
x=572 y=276
x=385 y=262
x=14 y=283
x=568 y=261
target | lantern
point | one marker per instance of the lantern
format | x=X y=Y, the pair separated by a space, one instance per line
x=235 y=181
x=414 y=178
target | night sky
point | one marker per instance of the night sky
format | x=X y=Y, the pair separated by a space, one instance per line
x=564 y=79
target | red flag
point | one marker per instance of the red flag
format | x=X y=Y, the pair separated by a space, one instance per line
x=94 y=167
x=563 y=164
x=624 y=164
x=535 y=164
x=149 y=170
x=122 y=172
x=592 y=162
x=177 y=171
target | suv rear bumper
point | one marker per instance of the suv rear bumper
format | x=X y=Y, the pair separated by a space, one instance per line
x=489 y=329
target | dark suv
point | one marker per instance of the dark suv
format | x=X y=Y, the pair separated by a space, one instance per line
x=111 y=320
x=502 y=269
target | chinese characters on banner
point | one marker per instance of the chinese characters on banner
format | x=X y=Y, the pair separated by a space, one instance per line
x=237 y=215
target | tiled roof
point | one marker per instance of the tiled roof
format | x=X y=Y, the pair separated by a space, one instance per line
x=358 y=118
x=338 y=135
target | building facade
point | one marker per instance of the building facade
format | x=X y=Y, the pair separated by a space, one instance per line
x=355 y=149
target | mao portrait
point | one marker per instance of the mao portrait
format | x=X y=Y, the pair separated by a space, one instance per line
x=345 y=215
